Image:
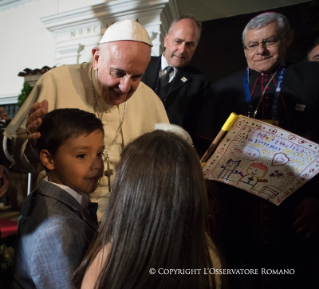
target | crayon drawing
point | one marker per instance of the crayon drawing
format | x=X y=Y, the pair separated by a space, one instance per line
x=263 y=160
x=229 y=169
x=255 y=173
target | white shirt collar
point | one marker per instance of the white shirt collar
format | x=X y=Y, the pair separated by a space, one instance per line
x=163 y=62
x=81 y=198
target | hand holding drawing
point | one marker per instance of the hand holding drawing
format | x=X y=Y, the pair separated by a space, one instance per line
x=271 y=163
x=226 y=127
x=307 y=217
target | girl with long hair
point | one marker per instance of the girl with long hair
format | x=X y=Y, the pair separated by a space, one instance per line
x=155 y=221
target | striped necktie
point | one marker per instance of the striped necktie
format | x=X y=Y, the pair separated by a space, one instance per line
x=165 y=76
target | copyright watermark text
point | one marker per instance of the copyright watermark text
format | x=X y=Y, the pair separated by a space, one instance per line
x=213 y=271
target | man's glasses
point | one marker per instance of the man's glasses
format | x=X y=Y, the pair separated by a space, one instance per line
x=252 y=46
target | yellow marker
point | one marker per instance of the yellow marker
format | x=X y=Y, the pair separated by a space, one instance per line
x=226 y=127
x=230 y=121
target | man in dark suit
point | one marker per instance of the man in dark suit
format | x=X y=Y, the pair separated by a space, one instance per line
x=182 y=88
x=254 y=233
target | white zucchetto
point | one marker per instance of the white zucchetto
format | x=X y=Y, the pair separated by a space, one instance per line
x=126 y=30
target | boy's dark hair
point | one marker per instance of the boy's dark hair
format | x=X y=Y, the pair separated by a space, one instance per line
x=61 y=124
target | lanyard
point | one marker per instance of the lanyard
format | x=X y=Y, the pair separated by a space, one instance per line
x=274 y=109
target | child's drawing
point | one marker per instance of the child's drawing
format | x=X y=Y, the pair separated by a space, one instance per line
x=255 y=173
x=228 y=169
x=264 y=160
x=280 y=159
x=277 y=174
x=269 y=192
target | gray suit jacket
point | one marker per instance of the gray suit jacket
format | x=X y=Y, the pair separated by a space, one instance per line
x=54 y=233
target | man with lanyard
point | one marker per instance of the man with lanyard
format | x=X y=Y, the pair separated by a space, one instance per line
x=110 y=87
x=254 y=233
x=182 y=88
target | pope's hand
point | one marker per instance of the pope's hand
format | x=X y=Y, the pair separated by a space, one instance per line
x=36 y=113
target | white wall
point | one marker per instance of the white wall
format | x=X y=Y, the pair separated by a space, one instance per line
x=24 y=42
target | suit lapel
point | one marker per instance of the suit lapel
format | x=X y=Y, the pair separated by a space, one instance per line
x=151 y=73
x=54 y=192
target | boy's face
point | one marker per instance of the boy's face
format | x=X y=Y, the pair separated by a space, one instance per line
x=78 y=163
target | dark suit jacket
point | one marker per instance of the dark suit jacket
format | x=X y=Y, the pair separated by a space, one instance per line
x=54 y=233
x=185 y=96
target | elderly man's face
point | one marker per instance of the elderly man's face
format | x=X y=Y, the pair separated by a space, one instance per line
x=120 y=66
x=264 y=59
x=314 y=54
x=181 y=43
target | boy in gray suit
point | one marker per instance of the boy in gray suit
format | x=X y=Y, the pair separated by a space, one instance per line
x=57 y=222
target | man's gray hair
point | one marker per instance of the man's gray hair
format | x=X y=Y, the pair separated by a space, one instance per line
x=186 y=16
x=264 y=19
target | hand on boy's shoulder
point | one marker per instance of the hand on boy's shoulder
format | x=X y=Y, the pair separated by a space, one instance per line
x=34 y=120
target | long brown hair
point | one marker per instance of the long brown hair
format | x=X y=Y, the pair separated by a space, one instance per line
x=155 y=218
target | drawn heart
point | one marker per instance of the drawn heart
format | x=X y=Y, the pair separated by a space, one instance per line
x=279 y=159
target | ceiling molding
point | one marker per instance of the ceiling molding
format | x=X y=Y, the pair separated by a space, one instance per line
x=7 y=4
x=107 y=12
x=83 y=27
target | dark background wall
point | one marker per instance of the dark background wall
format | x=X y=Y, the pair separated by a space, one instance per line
x=220 y=51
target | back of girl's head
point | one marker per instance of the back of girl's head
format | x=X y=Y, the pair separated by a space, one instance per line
x=156 y=216
x=159 y=176
x=61 y=124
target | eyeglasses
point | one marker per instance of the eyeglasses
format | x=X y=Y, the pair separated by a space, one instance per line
x=252 y=46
